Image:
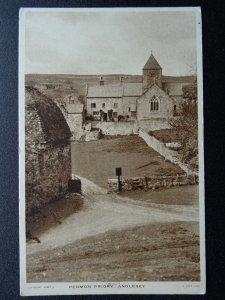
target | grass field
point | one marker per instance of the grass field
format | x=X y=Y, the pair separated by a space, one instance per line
x=97 y=160
x=155 y=252
x=166 y=135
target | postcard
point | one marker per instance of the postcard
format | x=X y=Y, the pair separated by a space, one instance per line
x=111 y=151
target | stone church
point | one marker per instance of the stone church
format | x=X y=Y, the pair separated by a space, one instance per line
x=150 y=102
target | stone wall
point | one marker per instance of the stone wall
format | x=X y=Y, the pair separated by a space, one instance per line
x=118 y=128
x=47 y=151
x=75 y=122
x=47 y=174
x=153 y=182
x=91 y=135
x=170 y=155
x=132 y=127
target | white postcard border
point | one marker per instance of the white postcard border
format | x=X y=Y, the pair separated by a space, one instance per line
x=87 y=288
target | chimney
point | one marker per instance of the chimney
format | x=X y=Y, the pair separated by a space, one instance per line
x=101 y=81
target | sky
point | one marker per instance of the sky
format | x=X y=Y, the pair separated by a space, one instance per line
x=109 y=41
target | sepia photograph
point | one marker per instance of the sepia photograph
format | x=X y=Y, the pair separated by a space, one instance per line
x=111 y=151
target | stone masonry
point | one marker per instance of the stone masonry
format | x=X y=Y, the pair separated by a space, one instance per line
x=151 y=183
x=47 y=151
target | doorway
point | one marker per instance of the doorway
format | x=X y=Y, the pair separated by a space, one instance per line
x=105 y=117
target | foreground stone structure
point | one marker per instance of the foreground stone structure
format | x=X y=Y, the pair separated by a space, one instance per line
x=47 y=151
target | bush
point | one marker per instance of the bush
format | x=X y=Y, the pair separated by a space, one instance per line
x=186 y=127
x=121 y=118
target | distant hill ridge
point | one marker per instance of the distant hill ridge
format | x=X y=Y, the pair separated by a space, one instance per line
x=94 y=79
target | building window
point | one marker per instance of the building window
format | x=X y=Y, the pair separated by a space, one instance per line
x=129 y=109
x=103 y=105
x=154 y=104
x=115 y=105
x=93 y=105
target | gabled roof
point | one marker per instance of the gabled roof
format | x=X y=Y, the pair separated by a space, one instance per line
x=52 y=122
x=157 y=90
x=105 y=91
x=152 y=64
x=132 y=89
x=115 y=91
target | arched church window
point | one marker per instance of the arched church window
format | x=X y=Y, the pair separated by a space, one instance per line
x=154 y=104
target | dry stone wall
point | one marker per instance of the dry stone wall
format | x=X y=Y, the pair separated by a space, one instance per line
x=132 y=127
x=153 y=182
x=92 y=135
x=170 y=155
x=118 y=128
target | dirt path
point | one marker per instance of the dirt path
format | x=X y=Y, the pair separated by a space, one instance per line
x=103 y=212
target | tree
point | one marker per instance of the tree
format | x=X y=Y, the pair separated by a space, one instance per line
x=190 y=92
x=186 y=126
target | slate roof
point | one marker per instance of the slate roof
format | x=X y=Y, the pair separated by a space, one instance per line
x=53 y=124
x=105 y=91
x=115 y=91
x=152 y=64
x=175 y=84
x=132 y=89
x=174 y=89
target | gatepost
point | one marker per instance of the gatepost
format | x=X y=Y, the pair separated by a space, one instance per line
x=119 y=173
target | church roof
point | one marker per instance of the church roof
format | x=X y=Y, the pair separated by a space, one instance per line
x=152 y=64
x=53 y=125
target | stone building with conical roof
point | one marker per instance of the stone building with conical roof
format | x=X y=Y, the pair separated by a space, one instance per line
x=47 y=150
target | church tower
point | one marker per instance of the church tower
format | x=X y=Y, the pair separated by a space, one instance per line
x=152 y=74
